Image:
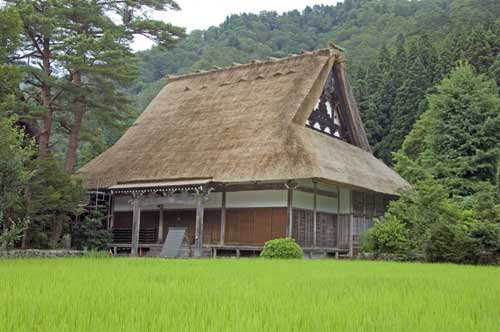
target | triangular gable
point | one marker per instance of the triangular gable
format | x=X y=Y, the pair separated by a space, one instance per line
x=335 y=112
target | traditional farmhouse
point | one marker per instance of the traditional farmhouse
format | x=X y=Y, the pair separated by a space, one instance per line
x=223 y=160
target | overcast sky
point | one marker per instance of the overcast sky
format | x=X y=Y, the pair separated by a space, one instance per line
x=201 y=14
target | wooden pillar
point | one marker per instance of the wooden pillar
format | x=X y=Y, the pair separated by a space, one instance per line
x=339 y=227
x=223 y=216
x=198 y=240
x=290 y=212
x=315 y=215
x=160 y=224
x=351 y=228
x=111 y=213
x=136 y=225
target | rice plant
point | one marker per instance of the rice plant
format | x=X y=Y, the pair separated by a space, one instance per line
x=123 y=294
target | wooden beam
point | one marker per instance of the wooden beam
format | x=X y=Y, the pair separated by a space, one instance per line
x=160 y=224
x=198 y=240
x=136 y=225
x=315 y=214
x=290 y=211
x=175 y=199
x=255 y=186
x=223 y=217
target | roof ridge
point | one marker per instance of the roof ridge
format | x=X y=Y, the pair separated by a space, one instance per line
x=330 y=51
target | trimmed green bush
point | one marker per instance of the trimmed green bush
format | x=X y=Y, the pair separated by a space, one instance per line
x=282 y=248
x=388 y=236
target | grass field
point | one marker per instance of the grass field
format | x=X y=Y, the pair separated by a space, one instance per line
x=81 y=294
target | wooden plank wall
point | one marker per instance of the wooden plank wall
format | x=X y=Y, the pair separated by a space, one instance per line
x=255 y=226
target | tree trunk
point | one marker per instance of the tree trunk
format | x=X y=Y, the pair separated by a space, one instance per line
x=56 y=233
x=74 y=134
x=45 y=132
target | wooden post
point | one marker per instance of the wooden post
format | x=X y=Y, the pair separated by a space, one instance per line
x=351 y=228
x=223 y=216
x=290 y=211
x=198 y=240
x=351 y=236
x=136 y=225
x=111 y=214
x=315 y=221
x=160 y=224
x=339 y=238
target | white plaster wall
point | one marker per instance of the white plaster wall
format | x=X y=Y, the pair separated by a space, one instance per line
x=327 y=187
x=345 y=200
x=260 y=198
x=326 y=204
x=257 y=198
x=303 y=200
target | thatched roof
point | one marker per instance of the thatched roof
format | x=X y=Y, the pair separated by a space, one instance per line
x=240 y=124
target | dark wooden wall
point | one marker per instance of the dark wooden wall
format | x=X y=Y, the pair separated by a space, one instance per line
x=303 y=228
x=366 y=206
x=149 y=219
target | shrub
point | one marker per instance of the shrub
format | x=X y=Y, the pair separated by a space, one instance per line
x=388 y=236
x=11 y=231
x=448 y=243
x=487 y=237
x=473 y=243
x=282 y=248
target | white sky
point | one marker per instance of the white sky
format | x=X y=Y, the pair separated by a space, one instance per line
x=201 y=14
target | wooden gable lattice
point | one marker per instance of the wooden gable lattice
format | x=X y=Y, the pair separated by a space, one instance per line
x=327 y=116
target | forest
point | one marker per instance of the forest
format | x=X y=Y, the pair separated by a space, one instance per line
x=426 y=76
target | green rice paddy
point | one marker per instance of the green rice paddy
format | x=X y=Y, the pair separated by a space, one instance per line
x=123 y=294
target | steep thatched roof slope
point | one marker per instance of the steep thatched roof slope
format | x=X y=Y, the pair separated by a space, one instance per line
x=238 y=124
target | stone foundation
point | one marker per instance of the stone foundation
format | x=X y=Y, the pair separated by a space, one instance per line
x=19 y=253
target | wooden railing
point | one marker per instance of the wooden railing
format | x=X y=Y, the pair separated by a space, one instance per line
x=124 y=235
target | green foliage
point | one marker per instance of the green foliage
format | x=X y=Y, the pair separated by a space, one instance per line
x=425 y=222
x=11 y=231
x=282 y=248
x=91 y=233
x=54 y=198
x=15 y=154
x=456 y=141
x=472 y=243
x=77 y=60
x=448 y=242
x=10 y=76
x=387 y=237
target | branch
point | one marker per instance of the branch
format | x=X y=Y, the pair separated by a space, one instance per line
x=35 y=43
